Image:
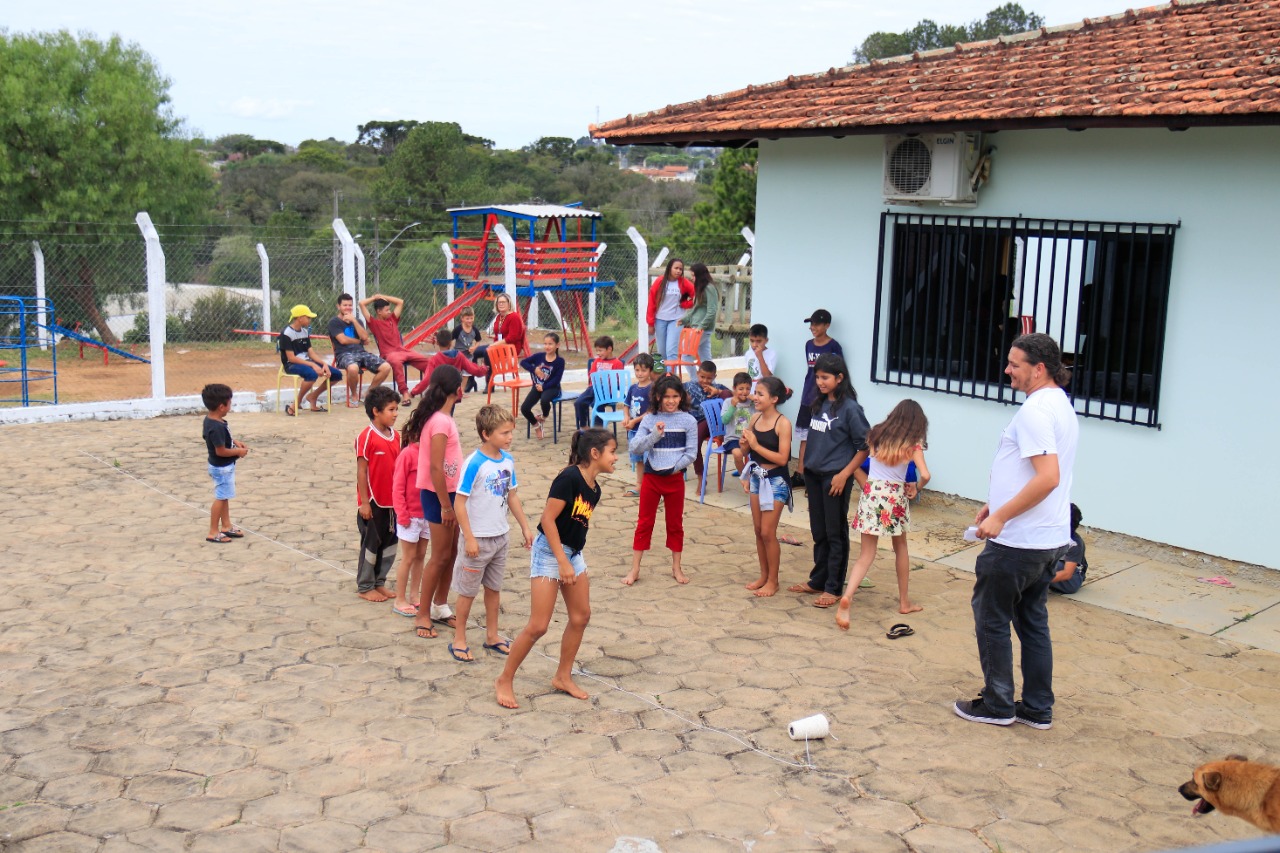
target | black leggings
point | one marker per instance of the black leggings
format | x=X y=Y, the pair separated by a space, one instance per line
x=535 y=396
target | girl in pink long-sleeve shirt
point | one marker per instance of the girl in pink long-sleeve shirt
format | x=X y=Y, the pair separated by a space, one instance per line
x=411 y=526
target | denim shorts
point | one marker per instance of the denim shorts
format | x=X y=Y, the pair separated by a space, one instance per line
x=543 y=564
x=224 y=481
x=636 y=458
x=308 y=372
x=781 y=488
x=431 y=506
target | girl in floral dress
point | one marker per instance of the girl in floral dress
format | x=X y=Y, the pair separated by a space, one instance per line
x=885 y=506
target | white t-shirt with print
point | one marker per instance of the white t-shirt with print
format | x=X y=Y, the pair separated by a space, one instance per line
x=669 y=305
x=753 y=364
x=486 y=482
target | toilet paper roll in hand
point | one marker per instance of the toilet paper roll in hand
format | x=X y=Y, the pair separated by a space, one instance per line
x=810 y=728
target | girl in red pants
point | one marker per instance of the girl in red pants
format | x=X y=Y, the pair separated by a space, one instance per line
x=668 y=439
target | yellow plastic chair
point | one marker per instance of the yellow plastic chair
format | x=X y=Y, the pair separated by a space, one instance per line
x=297 y=387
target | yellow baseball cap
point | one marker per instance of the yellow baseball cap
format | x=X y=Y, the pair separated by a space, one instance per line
x=300 y=311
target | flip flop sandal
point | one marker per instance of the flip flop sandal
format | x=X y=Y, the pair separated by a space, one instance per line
x=902 y=629
x=318 y=409
x=631 y=493
x=825 y=601
x=788 y=539
x=430 y=633
x=289 y=410
x=410 y=611
x=458 y=654
x=220 y=539
x=234 y=533
x=502 y=647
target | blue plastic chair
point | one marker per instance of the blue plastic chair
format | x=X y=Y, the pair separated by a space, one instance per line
x=557 y=415
x=711 y=410
x=610 y=389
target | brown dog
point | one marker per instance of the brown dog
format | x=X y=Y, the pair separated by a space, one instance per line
x=1237 y=787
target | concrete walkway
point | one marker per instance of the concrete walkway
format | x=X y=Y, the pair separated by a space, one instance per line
x=161 y=693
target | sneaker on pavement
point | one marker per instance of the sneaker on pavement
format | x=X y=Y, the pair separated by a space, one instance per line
x=976 y=711
x=1036 y=721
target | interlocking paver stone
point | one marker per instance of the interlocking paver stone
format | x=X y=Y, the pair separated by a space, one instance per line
x=188 y=688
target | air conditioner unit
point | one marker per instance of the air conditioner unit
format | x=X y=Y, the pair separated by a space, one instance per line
x=931 y=168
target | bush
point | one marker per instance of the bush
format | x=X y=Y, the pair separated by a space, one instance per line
x=235 y=261
x=214 y=316
x=175 y=329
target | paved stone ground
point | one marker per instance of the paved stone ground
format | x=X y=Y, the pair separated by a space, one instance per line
x=161 y=693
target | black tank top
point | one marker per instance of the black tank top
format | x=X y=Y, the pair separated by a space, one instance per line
x=768 y=439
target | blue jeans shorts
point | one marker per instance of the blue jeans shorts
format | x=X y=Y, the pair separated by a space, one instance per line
x=308 y=372
x=781 y=488
x=543 y=564
x=431 y=506
x=224 y=481
x=636 y=459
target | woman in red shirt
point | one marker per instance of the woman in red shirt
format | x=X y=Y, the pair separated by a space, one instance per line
x=670 y=295
x=508 y=327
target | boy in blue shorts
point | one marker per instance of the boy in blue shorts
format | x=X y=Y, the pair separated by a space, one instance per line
x=486 y=490
x=637 y=405
x=300 y=361
x=223 y=453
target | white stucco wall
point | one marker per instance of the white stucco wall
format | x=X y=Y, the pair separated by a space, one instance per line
x=1208 y=479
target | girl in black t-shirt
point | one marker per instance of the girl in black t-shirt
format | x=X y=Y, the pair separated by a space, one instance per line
x=557 y=563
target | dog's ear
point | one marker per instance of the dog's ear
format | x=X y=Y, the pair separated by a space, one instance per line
x=1235 y=758
x=1212 y=780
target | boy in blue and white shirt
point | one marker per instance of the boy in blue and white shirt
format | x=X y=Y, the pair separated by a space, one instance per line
x=486 y=490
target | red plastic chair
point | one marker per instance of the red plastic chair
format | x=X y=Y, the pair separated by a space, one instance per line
x=686 y=350
x=504 y=361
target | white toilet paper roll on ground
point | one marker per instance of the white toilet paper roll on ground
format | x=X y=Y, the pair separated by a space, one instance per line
x=810 y=728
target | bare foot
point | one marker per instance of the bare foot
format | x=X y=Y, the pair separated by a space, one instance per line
x=632 y=577
x=567 y=686
x=842 y=614
x=372 y=595
x=756 y=584
x=679 y=576
x=767 y=590
x=506 y=693
x=909 y=607
x=387 y=594
x=804 y=588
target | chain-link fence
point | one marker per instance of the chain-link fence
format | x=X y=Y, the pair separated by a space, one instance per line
x=227 y=294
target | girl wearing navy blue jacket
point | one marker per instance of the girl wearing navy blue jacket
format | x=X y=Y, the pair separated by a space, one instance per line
x=545 y=369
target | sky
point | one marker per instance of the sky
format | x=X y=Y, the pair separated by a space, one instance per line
x=508 y=71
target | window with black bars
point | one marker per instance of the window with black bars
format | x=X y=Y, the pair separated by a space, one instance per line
x=955 y=291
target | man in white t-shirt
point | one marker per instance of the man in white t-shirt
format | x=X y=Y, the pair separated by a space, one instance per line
x=1027 y=525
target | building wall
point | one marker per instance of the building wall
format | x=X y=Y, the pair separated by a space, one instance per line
x=817 y=231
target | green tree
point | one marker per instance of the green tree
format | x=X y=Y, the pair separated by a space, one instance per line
x=90 y=137
x=732 y=205
x=928 y=35
x=436 y=166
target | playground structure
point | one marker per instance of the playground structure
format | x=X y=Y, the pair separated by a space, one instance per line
x=21 y=321
x=557 y=266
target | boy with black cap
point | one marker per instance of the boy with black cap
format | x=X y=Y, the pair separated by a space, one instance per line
x=821 y=344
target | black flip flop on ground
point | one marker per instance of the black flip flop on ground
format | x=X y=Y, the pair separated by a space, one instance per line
x=902 y=629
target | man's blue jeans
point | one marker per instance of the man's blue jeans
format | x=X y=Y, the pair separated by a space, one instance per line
x=1012 y=586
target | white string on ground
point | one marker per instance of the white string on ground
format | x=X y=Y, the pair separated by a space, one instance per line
x=697 y=724
x=201 y=509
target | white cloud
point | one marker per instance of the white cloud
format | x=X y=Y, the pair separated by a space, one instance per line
x=266 y=107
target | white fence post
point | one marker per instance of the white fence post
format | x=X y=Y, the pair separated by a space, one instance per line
x=348 y=256
x=42 y=316
x=448 y=270
x=508 y=263
x=749 y=236
x=266 y=292
x=360 y=291
x=662 y=256
x=155 y=302
x=642 y=289
x=591 y=297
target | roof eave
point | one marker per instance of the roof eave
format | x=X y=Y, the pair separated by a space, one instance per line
x=741 y=137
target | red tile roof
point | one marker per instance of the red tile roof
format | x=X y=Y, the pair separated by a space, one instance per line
x=1182 y=65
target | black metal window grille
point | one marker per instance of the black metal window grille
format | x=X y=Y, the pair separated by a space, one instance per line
x=954 y=291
